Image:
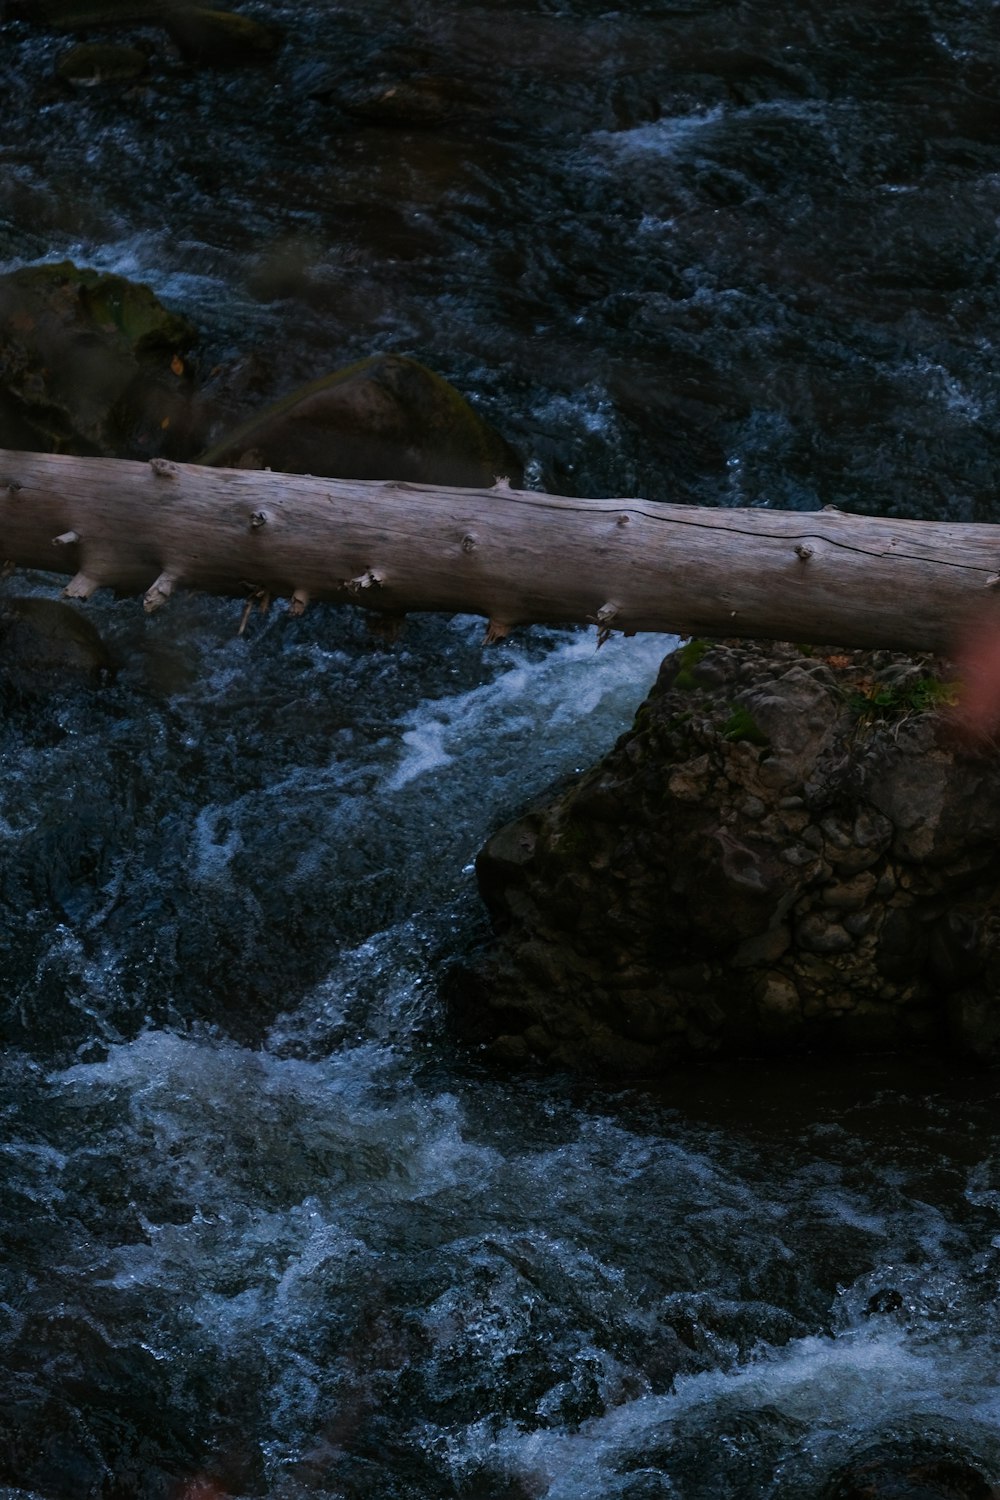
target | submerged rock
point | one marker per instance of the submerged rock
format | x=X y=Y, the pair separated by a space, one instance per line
x=219 y=38
x=386 y=417
x=90 y=363
x=45 y=644
x=910 y=1470
x=93 y=63
x=423 y=102
x=786 y=852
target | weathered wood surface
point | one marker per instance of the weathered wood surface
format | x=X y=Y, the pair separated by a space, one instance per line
x=513 y=556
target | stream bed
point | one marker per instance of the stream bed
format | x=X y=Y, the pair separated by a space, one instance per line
x=268 y=1229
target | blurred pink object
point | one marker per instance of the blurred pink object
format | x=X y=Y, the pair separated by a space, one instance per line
x=977 y=712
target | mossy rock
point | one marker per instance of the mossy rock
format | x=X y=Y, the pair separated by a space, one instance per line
x=96 y=62
x=387 y=417
x=683 y=663
x=408 y=103
x=45 y=644
x=219 y=38
x=749 y=870
x=742 y=726
x=91 y=363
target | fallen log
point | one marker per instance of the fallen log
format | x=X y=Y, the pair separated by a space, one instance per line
x=515 y=557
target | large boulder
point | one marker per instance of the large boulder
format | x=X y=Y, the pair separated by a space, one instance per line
x=386 y=417
x=788 y=851
x=90 y=363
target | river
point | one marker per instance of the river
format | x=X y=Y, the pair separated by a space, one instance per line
x=268 y=1229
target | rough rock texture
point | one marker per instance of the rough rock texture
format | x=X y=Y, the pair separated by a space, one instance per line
x=386 y=417
x=787 y=851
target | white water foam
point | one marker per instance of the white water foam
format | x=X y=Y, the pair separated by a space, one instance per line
x=848 y=1384
x=594 y=692
x=263 y=1161
x=662 y=137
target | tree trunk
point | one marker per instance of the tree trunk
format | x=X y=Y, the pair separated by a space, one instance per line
x=512 y=556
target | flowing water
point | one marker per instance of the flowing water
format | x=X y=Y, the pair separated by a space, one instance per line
x=268 y=1230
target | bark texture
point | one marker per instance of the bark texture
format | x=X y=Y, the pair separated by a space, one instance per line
x=513 y=556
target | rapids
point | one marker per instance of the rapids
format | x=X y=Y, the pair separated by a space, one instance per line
x=267 y=1229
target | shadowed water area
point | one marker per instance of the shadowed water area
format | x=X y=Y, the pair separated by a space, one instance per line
x=267 y=1230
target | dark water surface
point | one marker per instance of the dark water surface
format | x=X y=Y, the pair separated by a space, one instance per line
x=266 y=1230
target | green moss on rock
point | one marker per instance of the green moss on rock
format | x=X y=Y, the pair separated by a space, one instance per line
x=684 y=661
x=877 y=701
x=220 y=38
x=91 y=362
x=386 y=417
x=741 y=725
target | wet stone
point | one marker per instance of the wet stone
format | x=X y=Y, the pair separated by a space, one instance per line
x=93 y=63
x=46 y=645
x=817 y=934
x=895 y=1470
x=787 y=941
x=851 y=863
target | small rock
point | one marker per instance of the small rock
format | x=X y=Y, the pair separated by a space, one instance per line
x=410 y=103
x=887 y=1300
x=849 y=895
x=778 y=996
x=94 y=63
x=817 y=934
